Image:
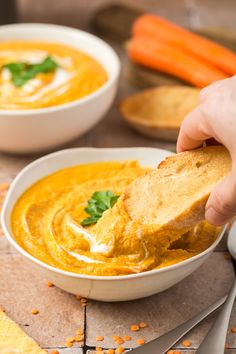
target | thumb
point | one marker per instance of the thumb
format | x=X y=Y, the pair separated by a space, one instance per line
x=221 y=205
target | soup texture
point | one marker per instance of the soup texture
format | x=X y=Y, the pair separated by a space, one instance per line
x=43 y=74
x=48 y=221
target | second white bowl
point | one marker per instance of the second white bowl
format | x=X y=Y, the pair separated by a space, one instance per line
x=104 y=288
x=34 y=130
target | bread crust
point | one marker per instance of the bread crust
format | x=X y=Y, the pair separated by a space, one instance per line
x=173 y=197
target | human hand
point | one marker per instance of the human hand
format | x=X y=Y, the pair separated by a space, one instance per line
x=215 y=117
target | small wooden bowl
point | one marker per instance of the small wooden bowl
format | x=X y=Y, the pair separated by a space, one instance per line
x=159 y=112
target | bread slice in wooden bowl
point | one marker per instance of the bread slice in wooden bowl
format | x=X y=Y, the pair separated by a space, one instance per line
x=159 y=112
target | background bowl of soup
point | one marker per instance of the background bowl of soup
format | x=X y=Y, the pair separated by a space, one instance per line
x=58 y=104
x=104 y=288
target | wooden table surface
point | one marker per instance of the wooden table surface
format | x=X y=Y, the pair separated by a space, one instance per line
x=22 y=288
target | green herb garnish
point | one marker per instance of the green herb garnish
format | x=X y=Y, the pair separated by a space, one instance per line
x=23 y=72
x=97 y=204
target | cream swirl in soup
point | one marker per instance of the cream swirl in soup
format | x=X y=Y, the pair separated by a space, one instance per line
x=50 y=221
x=74 y=75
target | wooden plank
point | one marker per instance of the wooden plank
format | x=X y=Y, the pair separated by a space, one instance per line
x=78 y=13
x=216 y=13
x=163 y=311
x=5 y=247
x=231 y=337
x=66 y=350
x=227 y=351
x=10 y=165
x=24 y=288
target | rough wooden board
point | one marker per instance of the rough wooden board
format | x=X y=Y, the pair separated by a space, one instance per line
x=24 y=288
x=163 y=311
x=231 y=338
x=115 y=19
x=78 y=13
x=228 y=351
x=210 y=10
x=67 y=350
x=128 y=351
x=222 y=245
x=10 y=165
x=5 y=246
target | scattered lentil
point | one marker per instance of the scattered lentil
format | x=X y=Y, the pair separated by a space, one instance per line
x=99 y=338
x=127 y=338
x=79 y=338
x=119 y=341
x=111 y=351
x=186 y=343
x=50 y=284
x=115 y=338
x=134 y=328
x=140 y=341
x=4 y=186
x=79 y=331
x=34 y=311
x=143 y=325
x=69 y=344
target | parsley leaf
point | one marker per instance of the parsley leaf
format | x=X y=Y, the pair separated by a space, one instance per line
x=23 y=72
x=97 y=204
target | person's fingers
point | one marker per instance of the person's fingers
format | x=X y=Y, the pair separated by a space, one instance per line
x=193 y=131
x=221 y=205
x=206 y=91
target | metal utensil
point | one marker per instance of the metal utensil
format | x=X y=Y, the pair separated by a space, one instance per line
x=214 y=342
x=166 y=341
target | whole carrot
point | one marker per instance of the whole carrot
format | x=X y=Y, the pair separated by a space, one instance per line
x=172 y=60
x=157 y=27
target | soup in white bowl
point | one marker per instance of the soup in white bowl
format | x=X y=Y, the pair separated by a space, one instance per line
x=45 y=74
x=115 y=286
x=41 y=115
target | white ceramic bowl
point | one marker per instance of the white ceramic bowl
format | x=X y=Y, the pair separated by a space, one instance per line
x=112 y=288
x=29 y=131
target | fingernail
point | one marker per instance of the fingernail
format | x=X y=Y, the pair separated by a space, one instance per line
x=214 y=217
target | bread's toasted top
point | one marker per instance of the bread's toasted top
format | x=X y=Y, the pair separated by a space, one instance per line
x=175 y=194
x=164 y=106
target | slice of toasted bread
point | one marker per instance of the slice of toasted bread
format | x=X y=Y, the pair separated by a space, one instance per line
x=13 y=340
x=173 y=197
x=159 y=112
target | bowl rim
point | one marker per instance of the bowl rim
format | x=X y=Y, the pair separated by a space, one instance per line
x=153 y=272
x=61 y=107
